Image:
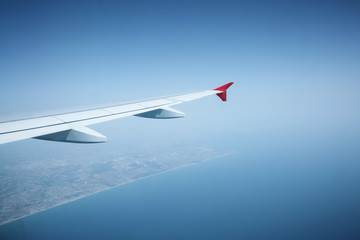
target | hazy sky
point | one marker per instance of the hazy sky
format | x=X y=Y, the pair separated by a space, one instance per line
x=295 y=64
x=292 y=115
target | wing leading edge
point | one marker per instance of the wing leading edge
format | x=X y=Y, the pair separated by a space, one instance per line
x=71 y=126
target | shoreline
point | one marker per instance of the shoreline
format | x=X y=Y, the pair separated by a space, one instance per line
x=110 y=188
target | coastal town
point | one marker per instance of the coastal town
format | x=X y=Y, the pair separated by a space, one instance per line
x=34 y=182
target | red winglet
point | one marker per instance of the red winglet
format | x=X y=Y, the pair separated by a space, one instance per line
x=223 y=88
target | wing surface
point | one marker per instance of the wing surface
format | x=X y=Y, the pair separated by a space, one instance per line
x=71 y=126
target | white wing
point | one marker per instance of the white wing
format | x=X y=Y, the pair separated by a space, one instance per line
x=71 y=126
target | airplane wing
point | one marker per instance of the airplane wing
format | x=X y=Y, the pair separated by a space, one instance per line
x=71 y=126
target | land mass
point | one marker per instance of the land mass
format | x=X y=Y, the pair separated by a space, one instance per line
x=38 y=183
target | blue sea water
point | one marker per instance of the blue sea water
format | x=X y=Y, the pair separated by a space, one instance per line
x=236 y=197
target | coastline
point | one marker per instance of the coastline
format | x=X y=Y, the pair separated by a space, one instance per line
x=110 y=188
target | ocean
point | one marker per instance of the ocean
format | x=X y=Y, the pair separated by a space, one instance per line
x=234 y=197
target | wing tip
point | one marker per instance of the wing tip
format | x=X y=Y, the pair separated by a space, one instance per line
x=223 y=89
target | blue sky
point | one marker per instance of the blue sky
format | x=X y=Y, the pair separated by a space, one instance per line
x=295 y=64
